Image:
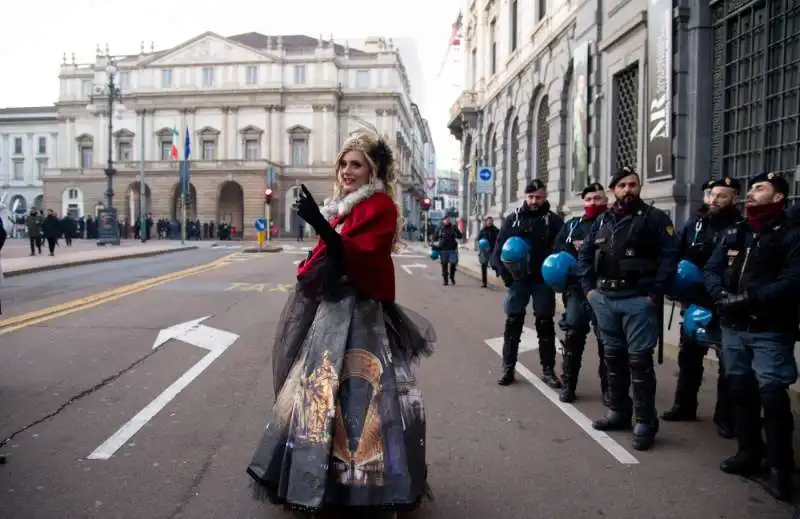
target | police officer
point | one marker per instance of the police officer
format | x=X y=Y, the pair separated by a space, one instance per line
x=696 y=242
x=535 y=223
x=754 y=278
x=575 y=321
x=625 y=265
x=489 y=233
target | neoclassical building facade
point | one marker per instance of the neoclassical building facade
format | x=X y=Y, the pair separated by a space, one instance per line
x=251 y=103
x=569 y=91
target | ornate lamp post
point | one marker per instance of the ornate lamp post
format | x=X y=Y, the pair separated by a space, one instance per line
x=111 y=94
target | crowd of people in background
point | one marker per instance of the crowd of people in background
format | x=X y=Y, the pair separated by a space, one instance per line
x=45 y=227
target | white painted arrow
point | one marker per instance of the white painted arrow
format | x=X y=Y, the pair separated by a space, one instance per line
x=191 y=332
x=408 y=268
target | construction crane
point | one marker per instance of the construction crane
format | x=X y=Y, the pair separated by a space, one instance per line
x=453 y=44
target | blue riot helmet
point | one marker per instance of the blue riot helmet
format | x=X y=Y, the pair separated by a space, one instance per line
x=434 y=253
x=687 y=276
x=695 y=320
x=556 y=269
x=515 y=256
x=483 y=244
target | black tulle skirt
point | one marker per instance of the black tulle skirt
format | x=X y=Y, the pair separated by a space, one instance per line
x=348 y=425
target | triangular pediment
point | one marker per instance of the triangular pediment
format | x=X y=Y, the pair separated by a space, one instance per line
x=209 y=48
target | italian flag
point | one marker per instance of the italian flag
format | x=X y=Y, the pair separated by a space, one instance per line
x=175 y=139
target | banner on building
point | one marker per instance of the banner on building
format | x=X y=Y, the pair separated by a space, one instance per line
x=447 y=187
x=581 y=177
x=659 y=91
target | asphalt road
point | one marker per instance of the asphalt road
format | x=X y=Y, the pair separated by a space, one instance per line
x=69 y=383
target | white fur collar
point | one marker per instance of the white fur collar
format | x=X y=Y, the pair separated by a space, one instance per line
x=342 y=206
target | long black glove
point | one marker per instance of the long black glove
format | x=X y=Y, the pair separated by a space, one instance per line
x=731 y=304
x=308 y=210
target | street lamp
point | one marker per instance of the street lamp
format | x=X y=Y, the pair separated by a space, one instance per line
x=114 y=108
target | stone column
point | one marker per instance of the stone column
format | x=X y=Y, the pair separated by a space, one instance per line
x=222 y=147
x=54 y=150
x=235 y=146
x=30 y=171
x=266 y=137
x=522 y=158
x=279 y=133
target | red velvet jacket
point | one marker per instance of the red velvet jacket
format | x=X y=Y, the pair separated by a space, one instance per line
x=368 y=234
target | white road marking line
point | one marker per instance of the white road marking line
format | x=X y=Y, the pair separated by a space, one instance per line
x=581 y=420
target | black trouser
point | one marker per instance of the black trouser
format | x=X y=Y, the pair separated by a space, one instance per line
x=484 y=273
x=690 y=377
x=36 y=241
x=68 y=239
x=51 y=244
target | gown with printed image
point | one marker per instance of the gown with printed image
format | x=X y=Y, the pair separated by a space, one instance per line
x=348 y=425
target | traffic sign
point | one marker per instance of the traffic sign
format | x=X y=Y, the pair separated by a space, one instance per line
x=260 y=224
x=485 y=183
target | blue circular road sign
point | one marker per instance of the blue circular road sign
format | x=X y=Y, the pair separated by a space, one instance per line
x=260 y=224
x=485 y=174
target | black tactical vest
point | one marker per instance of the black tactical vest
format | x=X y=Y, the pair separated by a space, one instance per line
x=623 y=249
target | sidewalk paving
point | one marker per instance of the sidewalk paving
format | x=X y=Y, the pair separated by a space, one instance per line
x=16 y=261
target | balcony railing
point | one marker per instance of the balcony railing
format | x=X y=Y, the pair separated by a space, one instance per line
x=126 y=166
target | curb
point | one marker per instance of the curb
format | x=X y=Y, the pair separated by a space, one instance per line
x=91 y=261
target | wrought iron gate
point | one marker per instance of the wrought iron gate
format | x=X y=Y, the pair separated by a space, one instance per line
x=756 y=88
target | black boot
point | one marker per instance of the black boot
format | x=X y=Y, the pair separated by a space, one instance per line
x=618 y=416
x=511 y=338
x=643 y=382
x=546 y=336
x=444 y=274
x=747 y=415
x=690 y=376
x=723 y=410
x=778 y=426
x=571 y=365
x=453 y=273
x=602 y=373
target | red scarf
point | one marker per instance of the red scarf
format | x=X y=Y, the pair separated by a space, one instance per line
x=593 y=211
x=760 y=216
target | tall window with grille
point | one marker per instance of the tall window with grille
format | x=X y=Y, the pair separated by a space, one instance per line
x=543 y=140
x=626 y=117
x=513 y=162
x=756 y=89
x=513 y=26
x=493 y=162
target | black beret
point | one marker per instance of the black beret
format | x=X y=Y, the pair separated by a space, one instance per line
x=777 y=181
x=723 y=182
x=534 y=185
x=594 y=187
x=620 y=174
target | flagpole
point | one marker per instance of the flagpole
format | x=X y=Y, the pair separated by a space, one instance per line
x=183 y=202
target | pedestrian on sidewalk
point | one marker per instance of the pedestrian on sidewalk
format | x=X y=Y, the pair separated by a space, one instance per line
x=538 y=226
x=34 y=226
x=445 y=242
x=488 y=233
x=51 y=228
x=341 y=436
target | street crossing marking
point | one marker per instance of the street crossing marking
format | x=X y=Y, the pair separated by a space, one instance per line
x=581 y=420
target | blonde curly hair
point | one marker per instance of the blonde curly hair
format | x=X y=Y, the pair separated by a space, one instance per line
x=380 y=158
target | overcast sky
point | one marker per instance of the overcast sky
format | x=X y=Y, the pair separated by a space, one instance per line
x=37 y=34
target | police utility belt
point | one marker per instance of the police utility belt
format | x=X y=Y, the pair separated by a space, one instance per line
x=631 y=271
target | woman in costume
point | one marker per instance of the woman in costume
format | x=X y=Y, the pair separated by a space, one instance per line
x=347 y=429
